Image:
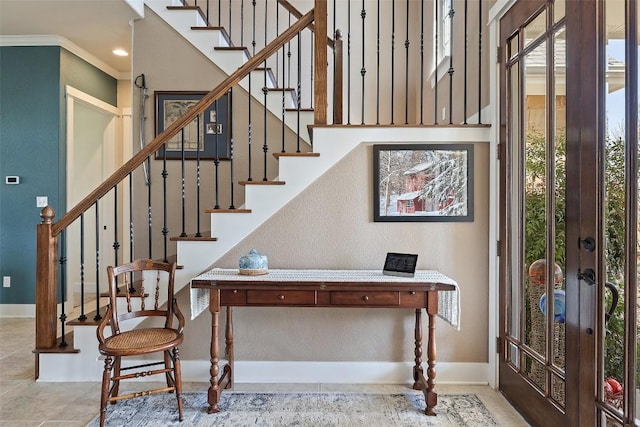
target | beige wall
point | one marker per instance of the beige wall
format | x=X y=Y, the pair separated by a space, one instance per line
x=330 y=225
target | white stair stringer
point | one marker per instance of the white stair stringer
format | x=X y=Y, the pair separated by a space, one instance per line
x=228 y=61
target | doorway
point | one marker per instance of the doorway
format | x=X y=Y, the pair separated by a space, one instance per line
x=94 y=147
x=569 y=212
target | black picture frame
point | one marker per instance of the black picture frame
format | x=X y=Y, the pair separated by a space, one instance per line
x=422 y=182
x=206 y=138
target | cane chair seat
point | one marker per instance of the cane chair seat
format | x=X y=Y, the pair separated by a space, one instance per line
x=141 y=341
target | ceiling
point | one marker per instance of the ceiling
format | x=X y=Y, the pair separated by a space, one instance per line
x=95 y=26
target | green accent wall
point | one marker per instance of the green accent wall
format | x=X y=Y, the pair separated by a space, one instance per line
x=33 y=147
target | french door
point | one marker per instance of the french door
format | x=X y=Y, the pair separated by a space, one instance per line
x=569 y=211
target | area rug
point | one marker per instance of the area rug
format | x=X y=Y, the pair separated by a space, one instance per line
x=300 y=410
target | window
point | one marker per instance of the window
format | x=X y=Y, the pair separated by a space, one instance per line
x=443 y=13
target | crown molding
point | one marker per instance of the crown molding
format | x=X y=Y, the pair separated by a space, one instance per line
x=53 y=40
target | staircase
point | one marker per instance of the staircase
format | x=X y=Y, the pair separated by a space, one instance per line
x=295 y=170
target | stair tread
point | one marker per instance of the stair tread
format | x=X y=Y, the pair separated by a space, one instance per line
x=309 y=154
x=231 y=48
x=261 y=183
x=281 y=89
x=219 y=210
x=208 y=27
x=300 y=109
x=194 y=238
x=68 y=338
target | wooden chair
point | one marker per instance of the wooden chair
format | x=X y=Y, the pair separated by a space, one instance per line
x=143 y=339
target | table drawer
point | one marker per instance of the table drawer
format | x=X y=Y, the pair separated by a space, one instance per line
x=413 y=299
x=233 y=296
x=365 y=298
x=281 y=297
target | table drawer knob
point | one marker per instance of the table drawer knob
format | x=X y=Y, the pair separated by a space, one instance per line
x=235 y=291
x=365 y=298
x=281 y=297
x=412 y=292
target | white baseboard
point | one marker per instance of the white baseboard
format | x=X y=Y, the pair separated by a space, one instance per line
x=338 y=372
x=17 y=310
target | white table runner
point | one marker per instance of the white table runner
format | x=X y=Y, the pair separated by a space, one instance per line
x=448 y=301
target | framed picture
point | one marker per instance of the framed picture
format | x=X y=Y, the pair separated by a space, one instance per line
x=207 y=137
x=423 y=182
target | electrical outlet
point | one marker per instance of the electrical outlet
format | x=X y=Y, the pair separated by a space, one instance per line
x=6 y=281
x=42 y=201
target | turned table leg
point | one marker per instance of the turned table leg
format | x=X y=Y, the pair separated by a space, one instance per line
x=417 y=369
x=213 y=396
x=431 y=395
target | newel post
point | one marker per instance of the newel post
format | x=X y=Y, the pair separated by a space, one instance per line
x=320 y=64
x=46 y=281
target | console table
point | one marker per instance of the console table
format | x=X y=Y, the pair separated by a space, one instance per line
x=322 y=288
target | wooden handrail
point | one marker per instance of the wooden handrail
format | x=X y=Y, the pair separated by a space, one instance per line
x=185 y=119
x=297 y=14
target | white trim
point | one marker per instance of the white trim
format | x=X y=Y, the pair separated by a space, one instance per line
x=53 y=40
x=337 y=372
x=17 y=310
x=498 y=10
x=70 y=91
x=284 y=372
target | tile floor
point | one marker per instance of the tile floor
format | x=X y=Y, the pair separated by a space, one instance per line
x=26 y=403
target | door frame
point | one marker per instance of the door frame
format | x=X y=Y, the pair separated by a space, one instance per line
x=111 y=153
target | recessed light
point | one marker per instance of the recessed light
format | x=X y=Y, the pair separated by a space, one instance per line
x=120 y=52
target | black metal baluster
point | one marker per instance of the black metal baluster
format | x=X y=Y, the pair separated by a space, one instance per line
x=479 y=62
x=393 y=56
x=131 y=228
x=437 y=63
x=284 y=101
x=242 y=23
x=149 y=215
x=97 y=231
x=82 y=316
x=298 y=90
x=116 y=243
x=378 y=65
x=265 y=91
x=334 y=49
x=422 y=62
x=349 y=62
x=63 y=287
x=219 y=13
x=216 y=161
x=250 y=125
x=450 y=72
x=406 y=68
x=230 y=20
x=466 y=52
x=363 y=69
x=231 y=206
x=165 y=229
x=289 y=58
x=198 y=149
x=183 y=187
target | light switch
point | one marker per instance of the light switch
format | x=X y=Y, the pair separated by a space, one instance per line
x=42 y=201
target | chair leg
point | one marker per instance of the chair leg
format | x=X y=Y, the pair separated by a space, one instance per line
x=178 y=380
x=116 y=373
x=104 y=395
x=168 y=365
